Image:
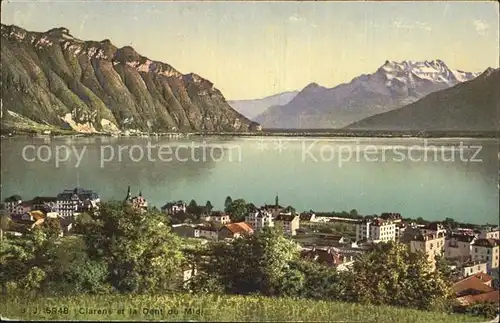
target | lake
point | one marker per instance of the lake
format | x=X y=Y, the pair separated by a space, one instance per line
x=433 y=178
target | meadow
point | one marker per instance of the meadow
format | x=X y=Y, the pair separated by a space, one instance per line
x=188 y=307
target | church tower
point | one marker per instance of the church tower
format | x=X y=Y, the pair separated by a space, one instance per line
x=129 y=196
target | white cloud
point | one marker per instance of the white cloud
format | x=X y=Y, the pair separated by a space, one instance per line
x=295 y=18
x=416 y=25
x=481 y=27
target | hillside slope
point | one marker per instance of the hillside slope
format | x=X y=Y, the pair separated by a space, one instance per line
x=53 y=78
x=252 y=108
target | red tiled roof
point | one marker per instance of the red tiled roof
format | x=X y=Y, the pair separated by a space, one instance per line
x=240 y=227
x=484 y=277
x=489 y=297
x=470 y=284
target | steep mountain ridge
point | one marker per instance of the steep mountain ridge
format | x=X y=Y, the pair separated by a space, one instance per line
x=469 y=106
x=53 y=78
x=391 y=86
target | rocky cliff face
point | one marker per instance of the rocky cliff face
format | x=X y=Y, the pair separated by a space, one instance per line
x=55 y=79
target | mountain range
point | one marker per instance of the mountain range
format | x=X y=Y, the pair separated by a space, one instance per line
x=52 y=79
x=253 y=107
x=391 y=86
x=473 y=106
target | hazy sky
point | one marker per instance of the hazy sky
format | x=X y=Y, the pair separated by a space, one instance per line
x=255 y=49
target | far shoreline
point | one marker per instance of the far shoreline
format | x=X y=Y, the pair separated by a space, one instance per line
x=297 y=133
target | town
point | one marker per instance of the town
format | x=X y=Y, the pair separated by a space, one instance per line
x=470 y=253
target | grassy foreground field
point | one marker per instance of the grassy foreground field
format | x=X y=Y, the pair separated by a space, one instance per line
x=183 y=307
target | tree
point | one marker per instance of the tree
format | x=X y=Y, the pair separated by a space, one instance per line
x=227 y=204
x=257 y=264
x=192 y=207
x=393 y=275
x=238 y=210
x=353 y=213
x=209 y=207
x=52 y=227
x=142 y=255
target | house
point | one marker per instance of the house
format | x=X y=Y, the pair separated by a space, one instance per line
x=77 y=200
x=486 y=250
x=434 y=228
x=473 y=268
x=288 y=222
x=330 y=257
x=475 y=289
x=184 y=230
x=308 y=216
x=220 y=218
x=489 y=233
x=45 y=203
x=393 y=217
x=235 y=230
x=259 y=219
x=22 y=208
x=376 y=230
x=458 y=246
x=208 y=232
x=431 y=245
x=174 y=207
x=137 y=202
x=11 y=203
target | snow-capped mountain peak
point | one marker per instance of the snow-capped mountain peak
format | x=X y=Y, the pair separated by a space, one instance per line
x=435 y=71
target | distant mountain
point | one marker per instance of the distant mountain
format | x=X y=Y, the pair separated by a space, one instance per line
x=252 y=108
x=393 y=85
x=470 y=106
x=53 y=79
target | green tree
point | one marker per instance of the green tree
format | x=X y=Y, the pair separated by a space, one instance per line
x=353 y=213
x=393 y=275
x=257 y=264
x=209 y=207
x=52 y=227
x=141 y=253
x=192 y=207
x=227 y=204
x=238 y=210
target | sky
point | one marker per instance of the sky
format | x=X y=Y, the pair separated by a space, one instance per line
x=251 y=50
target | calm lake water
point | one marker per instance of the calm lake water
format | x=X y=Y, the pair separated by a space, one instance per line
x=433 y=179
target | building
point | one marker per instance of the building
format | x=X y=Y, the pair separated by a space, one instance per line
x=486 y=250
x=77 y=200
x=458 y=246
x=11 y=203
x=376 y=230
x=393 y=217
x=434 y=228
x=220 y=218
x=22 y=208
x=138 y=202
x=174 y=207
x=489 y=233
x=207 y=232
x=45 y=203
x=473 y=268
x=288 y=222
x=308 y=216
x=330 y=257
x=235 y=230
x=475 y=289
x=431 y=245
x=259 y=219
